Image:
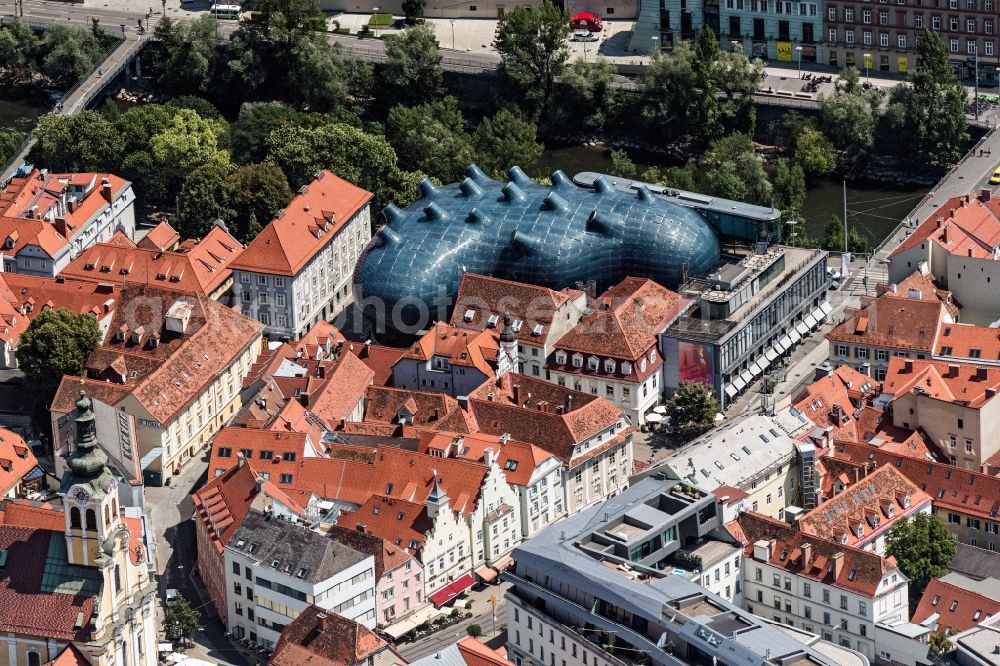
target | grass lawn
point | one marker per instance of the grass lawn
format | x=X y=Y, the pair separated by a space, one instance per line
x=380 y=20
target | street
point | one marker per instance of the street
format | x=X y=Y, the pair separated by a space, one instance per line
x=169 y=509
x=494 y=633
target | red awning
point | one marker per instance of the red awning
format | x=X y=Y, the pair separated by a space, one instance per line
x=452 y=590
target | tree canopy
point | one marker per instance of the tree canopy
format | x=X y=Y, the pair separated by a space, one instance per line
x=692 y=407
x=56 y=343
x=84 y=141
x=70 y=51
x=431 y=138
x=532 y=43
x=923 y=548
x=504 y=140
x=412 y=72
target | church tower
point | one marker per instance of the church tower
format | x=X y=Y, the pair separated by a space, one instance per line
x=508 y=361
x=89 y=491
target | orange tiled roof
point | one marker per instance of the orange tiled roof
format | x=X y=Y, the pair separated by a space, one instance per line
x=387 y=405
x=951 y=488
x=475 y=653
x=889 y=321
x=66 y=201
x=503 y=406
x=483 y=296
x=832 y=401
x=70 y=656
x=270 y=451
x=919 y=285
x=16 y=460
x=870 y=506
x=625 y=321
x=320 y=341
x=964 y=225
x=162 y=237
x=958 y=609
x=322 y=638
x=968 y=343
x=400 y=522
x=477 y=349
x=519 y=460
x=33 y=294
x=380 y=359
x=198 y=270
x=963 y=383
x=346 y=386
x=316 y=214
x=862 y=571
x=16 y=234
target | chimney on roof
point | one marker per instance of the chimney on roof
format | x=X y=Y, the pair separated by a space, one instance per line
x=836 y=415
x=907 y=365
x=762 y=550
x=893 y=287
x=807 y=551
x=517 y=394
x=437 y=413
x=569 y=402
x=260 y=485
x=324 y=621
x=106 y=188
x=240 y=459
x=838 y=564
x=985 y=194
x=463 y=401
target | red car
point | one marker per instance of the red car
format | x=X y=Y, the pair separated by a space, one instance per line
x=586 y=21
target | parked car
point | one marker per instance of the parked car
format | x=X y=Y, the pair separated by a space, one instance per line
x=995 y=178
x=834 y=285
x=171 y=597
x=833 y=273
x=584 y=36
x=586 y=21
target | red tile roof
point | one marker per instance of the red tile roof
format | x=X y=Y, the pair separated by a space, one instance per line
x=488 y=296
x=16 y=460
x=967 y=343
x=317 y=213
x=322 y=638
x=476 y=349
x=70 y=656
x=321 y=341
x=952 y=488
x=41 y=196
x=25 y=609
x=832 y=401
x=162 y=237
x=200 y=269
x=34 y=294
x=920 y=285
x=967 y=384
x=625 y=321
x=16 y=234
x=347 y=383
x=964 y=225
x=380 y=359
x=531 y=413
x=862 y=571
x=871 y=506
x=475 y=653
x=519 y=460
x=172 y=368
x=388 y=405
x=400 y=522
x=889 y=321
x=387 y=556
x=958 y=609
x=266 y=449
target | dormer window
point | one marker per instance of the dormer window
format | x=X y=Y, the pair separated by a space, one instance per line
x=609 y=365
x=642 y=365
x=516 y=326
x=577 y=361
x=626 y=368
x=652 y=356
x=860 y=532
x=492 y=321
x=593 y=363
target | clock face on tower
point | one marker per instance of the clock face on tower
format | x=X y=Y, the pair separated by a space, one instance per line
x=79 y=495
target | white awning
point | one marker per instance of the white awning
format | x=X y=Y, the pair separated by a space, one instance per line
x=770 y=354
x=652 y=417
x=412 y=621
x=730 y=391
x=794 y=335
x=802 y=328
x=747 y=377
x=826 y=308
x=811 y=321
x=739 y=383
x=780 y=348
x=756 y=369
x=786 y=341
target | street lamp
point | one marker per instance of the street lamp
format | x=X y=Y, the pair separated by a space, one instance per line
x=655 y=40
x=735 y=44
x=867 y=58
x=791 y=224
x=452 y=21
x=798 y=54
x=375 y=16
x=976 y=72
x=123 y=31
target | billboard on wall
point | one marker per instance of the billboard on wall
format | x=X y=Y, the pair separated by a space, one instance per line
x=901 y=64
x=694 y=363
x=868 y=62
x=809 y=53
x=759 y=50
x=783 y=51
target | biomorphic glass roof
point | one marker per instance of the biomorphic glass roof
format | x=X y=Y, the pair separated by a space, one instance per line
x=554 y=236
